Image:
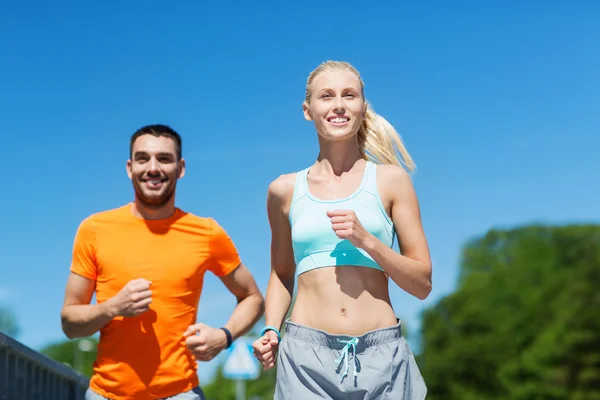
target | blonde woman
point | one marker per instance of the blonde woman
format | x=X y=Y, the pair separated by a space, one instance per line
x=333 y=225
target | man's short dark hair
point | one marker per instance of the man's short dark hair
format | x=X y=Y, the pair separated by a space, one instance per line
x=157 y=130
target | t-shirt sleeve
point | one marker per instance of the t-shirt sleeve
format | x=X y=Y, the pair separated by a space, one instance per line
x=224 y=255
x=83 y=260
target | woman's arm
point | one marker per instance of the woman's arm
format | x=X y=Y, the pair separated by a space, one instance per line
x=283 y=267
x=410 y=270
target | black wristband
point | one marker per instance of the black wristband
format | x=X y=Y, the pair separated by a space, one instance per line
x=229 y=337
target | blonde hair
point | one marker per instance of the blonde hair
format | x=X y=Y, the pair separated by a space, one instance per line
x=377 y=138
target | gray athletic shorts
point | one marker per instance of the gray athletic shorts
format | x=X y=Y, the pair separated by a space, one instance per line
x=312 y=364
x=194 y=394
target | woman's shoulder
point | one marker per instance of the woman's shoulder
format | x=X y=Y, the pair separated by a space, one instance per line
x=395 y=184
x=389 y=173
x=282 y=187
x=393 y=180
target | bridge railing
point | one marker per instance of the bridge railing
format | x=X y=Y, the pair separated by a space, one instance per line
x=26 y=374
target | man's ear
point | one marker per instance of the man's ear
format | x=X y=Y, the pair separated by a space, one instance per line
x=128 y=168
x=181 y=168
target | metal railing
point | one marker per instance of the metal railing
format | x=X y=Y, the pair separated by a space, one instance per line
x=26 y=374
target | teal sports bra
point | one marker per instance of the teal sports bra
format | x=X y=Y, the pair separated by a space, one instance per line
x=316 y=245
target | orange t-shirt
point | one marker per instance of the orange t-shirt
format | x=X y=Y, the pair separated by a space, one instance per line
x=145 y=357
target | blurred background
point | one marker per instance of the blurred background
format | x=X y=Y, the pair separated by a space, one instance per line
x=498 y=103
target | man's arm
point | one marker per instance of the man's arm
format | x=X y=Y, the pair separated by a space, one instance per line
x=82 y=319
x=206 y=342
x=79 y=317
x=250 y=302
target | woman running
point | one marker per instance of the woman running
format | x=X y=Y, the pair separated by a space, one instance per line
x=333 y=226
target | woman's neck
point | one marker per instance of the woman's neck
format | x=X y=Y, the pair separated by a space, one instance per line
x=338 y=157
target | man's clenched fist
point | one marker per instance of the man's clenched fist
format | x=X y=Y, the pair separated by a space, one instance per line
x=204 y=342
x=133 y=299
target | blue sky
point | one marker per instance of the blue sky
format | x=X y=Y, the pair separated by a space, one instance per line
x=498 y=105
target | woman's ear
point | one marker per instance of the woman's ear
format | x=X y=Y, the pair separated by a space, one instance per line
x=306 y=110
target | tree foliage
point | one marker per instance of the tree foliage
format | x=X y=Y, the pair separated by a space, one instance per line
x=74 y=354
x=524 y=322
x=221 y=388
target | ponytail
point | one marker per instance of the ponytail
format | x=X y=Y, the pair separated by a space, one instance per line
x=379 y=141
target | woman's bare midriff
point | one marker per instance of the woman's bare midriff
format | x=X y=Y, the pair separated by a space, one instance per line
x=344 y=300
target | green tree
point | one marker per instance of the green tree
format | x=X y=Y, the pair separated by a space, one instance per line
x=78 y=354
x=221 y=388
x=524 y=321
x=8 y=322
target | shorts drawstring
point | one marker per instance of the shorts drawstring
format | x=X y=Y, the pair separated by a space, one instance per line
x=348 y=344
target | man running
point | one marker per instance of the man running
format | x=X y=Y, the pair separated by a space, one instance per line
x=146 y=262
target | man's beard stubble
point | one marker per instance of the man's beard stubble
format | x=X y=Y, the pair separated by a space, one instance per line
x=155 y=203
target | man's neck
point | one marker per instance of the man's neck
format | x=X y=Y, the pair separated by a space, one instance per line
x=144 y=211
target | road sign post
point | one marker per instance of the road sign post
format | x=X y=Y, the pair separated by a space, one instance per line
x=241 y=365
x=240 y=390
